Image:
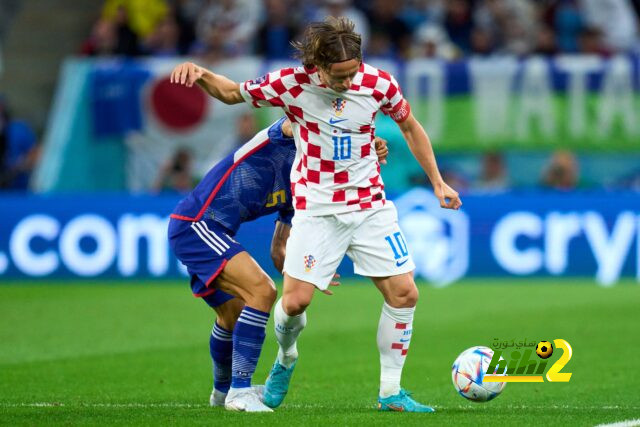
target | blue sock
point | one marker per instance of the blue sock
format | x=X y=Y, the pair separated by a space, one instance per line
x=221 y=349
x=248 y=337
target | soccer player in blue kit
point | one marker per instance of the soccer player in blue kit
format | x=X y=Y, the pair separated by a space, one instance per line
x=249 y=183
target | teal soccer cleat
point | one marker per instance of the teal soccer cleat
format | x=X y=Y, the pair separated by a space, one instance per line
x=402 y=402
x=277 y=385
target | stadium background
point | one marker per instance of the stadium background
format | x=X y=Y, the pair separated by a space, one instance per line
x=533 y=111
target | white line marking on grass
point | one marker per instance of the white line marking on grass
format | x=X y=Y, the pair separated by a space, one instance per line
x=33 y=405
x=104 y=405
x=625 y=423
x=176 y=405
x=576 y=407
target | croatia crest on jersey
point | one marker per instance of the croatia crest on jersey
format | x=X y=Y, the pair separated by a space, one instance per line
x=309 y=262
x=338 y=106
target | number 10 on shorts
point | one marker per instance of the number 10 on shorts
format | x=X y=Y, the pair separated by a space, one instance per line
x=398 y=245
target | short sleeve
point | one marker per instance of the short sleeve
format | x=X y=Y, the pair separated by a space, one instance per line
x=286 y=215
x=393 y=104
x=268 y=90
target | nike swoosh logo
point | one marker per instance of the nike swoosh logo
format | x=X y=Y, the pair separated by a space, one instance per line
x=334 y=121
x=400 y=264
x=407 y=340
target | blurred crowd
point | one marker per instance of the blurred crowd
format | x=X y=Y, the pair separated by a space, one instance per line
x=401 y=29
x=215 y=30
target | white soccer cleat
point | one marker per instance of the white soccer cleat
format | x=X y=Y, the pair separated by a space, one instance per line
x=245 y=400
x=217 y=398
x=259 y=389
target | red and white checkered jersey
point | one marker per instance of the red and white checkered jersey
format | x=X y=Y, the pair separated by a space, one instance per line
x=336 y=168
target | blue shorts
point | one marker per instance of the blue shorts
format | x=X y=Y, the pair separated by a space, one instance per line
x=204 y=248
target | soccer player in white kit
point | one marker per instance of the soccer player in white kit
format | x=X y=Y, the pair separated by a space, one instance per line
x=338 y=194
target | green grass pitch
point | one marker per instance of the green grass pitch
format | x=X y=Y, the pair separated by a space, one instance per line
x=103 y=353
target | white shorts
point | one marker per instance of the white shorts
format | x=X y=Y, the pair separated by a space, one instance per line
x=371 y=238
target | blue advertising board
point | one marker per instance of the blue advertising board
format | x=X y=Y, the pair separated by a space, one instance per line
x=594 y=234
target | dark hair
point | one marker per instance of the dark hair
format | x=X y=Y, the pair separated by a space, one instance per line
x=328 y=42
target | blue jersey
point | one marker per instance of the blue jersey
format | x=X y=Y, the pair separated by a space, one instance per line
x=249 y=183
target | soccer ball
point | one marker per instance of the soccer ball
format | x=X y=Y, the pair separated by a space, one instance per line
x=467 y=373
x=544 y=349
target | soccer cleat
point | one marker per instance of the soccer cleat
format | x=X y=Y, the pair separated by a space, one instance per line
x=259 y=389
x=217 y=397
x=402 y=402
x=245 y=400
x=277 y=385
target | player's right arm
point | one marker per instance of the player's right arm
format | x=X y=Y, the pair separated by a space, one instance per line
x=421 y=148
x=399 y=110
x=216 y=85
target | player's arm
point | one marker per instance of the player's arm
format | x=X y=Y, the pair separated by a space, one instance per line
x=279 y=244
x=216 y=85
x=420 y=146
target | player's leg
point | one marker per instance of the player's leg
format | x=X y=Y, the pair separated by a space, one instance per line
x=220 y=265
x=289 y=320
x=312 y=256
x=395 y=329
x=244 y=278
x=290 y=317
x=227 y=310
x=379 y=251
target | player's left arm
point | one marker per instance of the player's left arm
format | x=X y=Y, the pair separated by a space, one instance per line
x=279 y=244
x=420 y=146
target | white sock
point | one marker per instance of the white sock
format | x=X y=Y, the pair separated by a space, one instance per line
x=287 y=330
x=394 y=336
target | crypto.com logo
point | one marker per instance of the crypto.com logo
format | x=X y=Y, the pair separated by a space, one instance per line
x=438 y=239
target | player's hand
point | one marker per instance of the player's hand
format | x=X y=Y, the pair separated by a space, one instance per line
x=334 y=282
x=186 y=74
x=286 y=128
x=449 y=198
x=381 y=150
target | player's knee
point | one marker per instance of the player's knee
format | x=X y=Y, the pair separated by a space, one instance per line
x=404 y=297
x=270 y=292
x=294 y=305
x=261 y=294
x=412 y=297
x=266 y=291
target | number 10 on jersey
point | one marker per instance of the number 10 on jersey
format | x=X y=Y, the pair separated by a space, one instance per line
x=341 y=147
